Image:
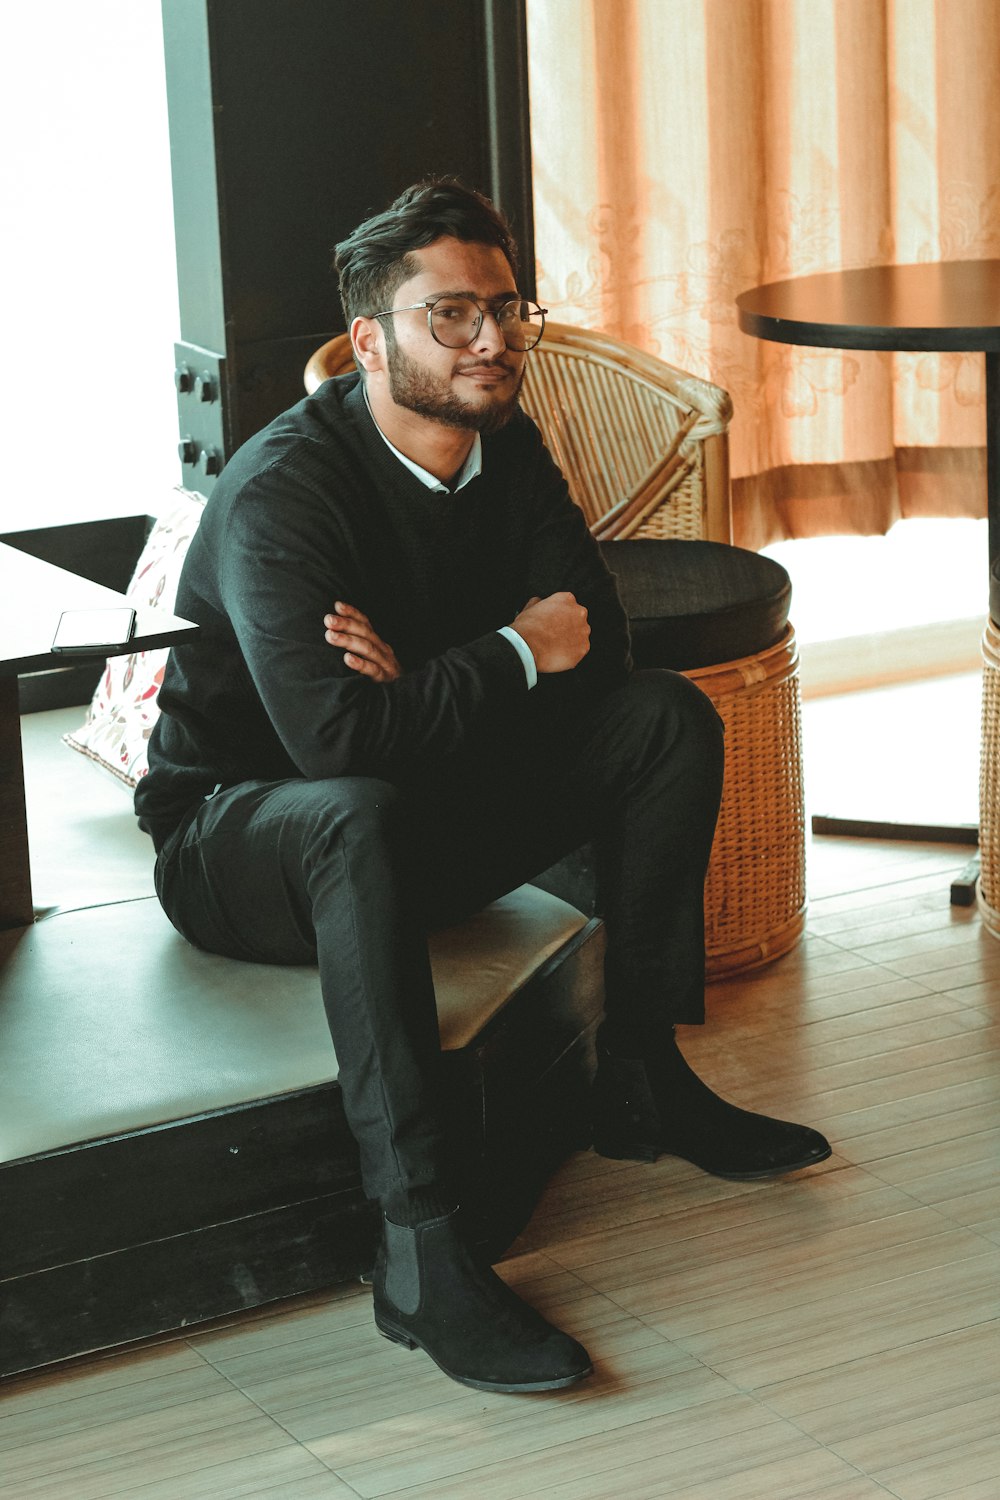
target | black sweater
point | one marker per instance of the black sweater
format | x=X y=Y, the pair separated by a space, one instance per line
x=315 y=509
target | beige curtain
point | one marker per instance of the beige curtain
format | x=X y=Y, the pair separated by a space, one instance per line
x=685 y=150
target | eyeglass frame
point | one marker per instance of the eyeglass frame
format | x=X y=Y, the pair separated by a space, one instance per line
x=431 y=302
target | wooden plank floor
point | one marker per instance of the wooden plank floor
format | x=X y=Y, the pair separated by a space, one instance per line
x=832 y=1335
x=835 y=1334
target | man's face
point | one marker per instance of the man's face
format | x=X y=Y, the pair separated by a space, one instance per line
x=475 y=388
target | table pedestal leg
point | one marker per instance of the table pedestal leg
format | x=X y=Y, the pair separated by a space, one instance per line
x=15 y=875
x=993 y=453
x=963 y=887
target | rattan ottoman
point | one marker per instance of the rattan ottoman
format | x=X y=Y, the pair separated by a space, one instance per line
x=988 y=893
x=755 y=894
x=720 y=615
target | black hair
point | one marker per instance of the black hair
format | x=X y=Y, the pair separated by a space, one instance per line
x=375 y=260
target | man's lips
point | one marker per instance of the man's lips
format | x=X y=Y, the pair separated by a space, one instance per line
x=486 y=374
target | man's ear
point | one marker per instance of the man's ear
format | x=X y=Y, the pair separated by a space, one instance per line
x=368 y=342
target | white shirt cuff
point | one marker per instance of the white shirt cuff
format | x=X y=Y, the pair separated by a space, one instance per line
x=524 y=652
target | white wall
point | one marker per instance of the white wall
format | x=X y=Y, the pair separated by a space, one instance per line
x=89 y=293
x=875 y=609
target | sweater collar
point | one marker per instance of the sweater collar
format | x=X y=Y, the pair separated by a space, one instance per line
x=470 y=470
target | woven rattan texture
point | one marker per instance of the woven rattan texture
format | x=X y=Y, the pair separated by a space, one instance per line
x=755 y=894
x=989 y=783
x=628 y=431
x=684 y=510
x=607 y=430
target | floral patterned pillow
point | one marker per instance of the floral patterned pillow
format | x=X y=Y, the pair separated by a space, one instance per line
x=123 y=709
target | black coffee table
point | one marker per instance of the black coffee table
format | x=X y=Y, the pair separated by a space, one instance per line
x=936 y=305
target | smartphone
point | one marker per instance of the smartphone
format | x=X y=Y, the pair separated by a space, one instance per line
x=94 y=630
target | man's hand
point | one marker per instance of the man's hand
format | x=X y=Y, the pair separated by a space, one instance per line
x=364 y=651
x=555 y=631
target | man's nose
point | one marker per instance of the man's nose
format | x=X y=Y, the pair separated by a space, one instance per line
x=489 y=339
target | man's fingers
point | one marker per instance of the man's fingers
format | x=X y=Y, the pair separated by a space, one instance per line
x=368 y=647
x=351 y=624
x=352 y=630
x=364 y=649
x=366 y=667
x=348 y=609
x=556 y=631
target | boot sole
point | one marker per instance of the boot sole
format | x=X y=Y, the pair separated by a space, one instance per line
x=627 y=1150
x=645 y=1152
x=398 y=1336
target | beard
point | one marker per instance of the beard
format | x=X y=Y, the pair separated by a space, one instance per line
x=430 y=395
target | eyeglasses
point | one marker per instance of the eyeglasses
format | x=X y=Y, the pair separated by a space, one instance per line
x=455 y=321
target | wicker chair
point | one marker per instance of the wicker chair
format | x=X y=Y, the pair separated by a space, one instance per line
x=755 y=890
x=645 y=452
x=643 y=446
x=335 y=357
x=989 y=766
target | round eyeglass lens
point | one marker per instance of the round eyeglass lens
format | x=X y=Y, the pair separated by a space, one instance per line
x=455 y=321
x=521 y=324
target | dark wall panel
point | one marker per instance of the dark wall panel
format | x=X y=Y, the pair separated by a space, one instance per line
x=291 y=120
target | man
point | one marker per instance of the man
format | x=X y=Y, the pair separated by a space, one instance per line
x=470 y=716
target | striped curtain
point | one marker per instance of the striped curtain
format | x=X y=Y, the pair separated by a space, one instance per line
x=685 y=150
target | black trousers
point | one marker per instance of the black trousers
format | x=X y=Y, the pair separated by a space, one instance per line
x=353 y=872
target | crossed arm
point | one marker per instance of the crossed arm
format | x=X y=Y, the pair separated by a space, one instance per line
x=555 y=630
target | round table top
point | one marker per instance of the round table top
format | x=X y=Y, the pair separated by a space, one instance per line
x=932 y=305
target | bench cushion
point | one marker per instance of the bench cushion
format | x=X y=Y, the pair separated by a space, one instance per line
x=112 y=1022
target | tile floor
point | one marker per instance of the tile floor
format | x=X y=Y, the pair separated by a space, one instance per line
x=831 y=1336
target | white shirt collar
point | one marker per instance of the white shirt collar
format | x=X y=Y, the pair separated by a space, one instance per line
x=471 y=469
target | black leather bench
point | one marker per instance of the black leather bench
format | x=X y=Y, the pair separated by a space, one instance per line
x=172 y=1144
